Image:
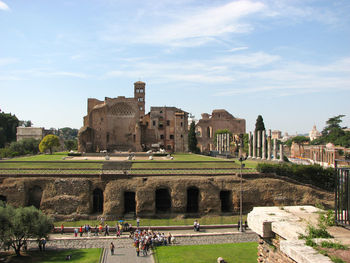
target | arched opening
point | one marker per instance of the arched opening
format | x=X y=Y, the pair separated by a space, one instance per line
x=3 y=199
x=192 y=200
x=129 y=202
x=34 y=196
x=97 y=201
x=208 y=132
x=226 y=201
x=199 y=131
x=163 y=200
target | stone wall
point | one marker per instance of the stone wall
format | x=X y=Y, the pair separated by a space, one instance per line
x=69 y=198
x=279 y=229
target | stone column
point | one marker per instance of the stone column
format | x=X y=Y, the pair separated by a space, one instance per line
x=269 y=145
x=274 y=149
x=249 y=145
x=254 y=144
x=259 y=138
x=218 y=143
x=281 y=153
x=263 y=138
x=228 y=142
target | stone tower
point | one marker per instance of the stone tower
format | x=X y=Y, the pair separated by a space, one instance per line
x=139 y=94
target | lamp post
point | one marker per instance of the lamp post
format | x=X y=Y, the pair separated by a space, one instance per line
x=241 y=229
x=241 y=159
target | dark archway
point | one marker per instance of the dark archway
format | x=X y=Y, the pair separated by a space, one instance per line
x=192 y=200
x=163 y=200
x=34 y=196
x=129 y=202
x=3 y=198
x=226 y=201
x=97 y=202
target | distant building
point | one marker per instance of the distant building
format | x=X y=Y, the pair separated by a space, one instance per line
x=30 y=132
x=276 y=135
x=120 y=124
x=218 y=120
x=314 y=134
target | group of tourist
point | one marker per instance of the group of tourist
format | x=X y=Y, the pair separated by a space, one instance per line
x=145 y=240
x=99 y=230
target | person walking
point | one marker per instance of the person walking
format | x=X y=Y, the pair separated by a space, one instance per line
x=111 y=246
x=138 y=222
x=62 y=229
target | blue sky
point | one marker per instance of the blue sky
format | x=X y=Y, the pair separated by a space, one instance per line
x=286 y=60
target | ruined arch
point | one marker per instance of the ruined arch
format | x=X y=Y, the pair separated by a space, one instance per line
x=97 y=201
x=163 y=200
x=34 y=196
x=3 y=198
x=129 y=202
x=226 y=201
x=192 y=200
x=209 y=132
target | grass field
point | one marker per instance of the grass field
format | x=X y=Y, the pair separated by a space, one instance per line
x=212 y=220
x=91 y=255
x=210 y=162
x=231 y=253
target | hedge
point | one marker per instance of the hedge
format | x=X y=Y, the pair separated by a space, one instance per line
x=306 y=174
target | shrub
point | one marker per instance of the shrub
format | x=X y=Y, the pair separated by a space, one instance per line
x=308 y=174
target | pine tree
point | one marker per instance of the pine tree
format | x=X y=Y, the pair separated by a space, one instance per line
x=259 y=125
x=192 y=140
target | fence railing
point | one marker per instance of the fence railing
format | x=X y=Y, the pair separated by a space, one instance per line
x=342 y=192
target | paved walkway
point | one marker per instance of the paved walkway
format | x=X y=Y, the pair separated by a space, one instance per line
x=126 y=255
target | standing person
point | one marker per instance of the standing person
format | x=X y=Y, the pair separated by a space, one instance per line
x=111 y=246
x=81 y=231
x=75 y=232
x=100 y=228
x=44 y=243
x=96 y=231
x=62 y=229
x=169 y=238
x=106 y=230
x=138 y=222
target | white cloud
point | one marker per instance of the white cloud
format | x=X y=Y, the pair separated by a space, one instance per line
x=193 y=28
x=237 y=49
x=4 y=6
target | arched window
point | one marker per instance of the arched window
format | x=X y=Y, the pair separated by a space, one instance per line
x=192 y=200
x=163 y=200
x=129 y=202
x=97 y=201
x=3 y=198
x=34 y=196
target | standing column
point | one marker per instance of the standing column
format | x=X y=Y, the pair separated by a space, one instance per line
x=281 y=153
x=254 y=144
x=249 y=145
x=218 y=143
x=274 y=149
x=269 y=145
x=228 y=142
x=263 y=138
x=259 y=138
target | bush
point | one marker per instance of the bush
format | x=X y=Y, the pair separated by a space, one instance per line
x=307 y=174
x=22 y=147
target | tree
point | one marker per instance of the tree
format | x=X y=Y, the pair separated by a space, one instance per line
x=48 y=143
x=17 y=225
x=8 y=123
x=334 y=133
x=71 y=144
x=26 y=123
x=192 y=139
x=259 y=124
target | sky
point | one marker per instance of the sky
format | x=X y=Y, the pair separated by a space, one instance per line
x=287 y=60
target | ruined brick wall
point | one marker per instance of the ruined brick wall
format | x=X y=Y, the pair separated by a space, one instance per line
x=269 y=251
x=220 y=119
x=74 y=197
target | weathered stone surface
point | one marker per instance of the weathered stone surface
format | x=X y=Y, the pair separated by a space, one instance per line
x=73 y=197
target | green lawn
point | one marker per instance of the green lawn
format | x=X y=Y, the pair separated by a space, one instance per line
x=212 y=220
x=90 y=255
x=231 y=253
x=210 y=162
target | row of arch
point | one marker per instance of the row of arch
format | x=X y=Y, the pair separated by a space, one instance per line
x=163 y=201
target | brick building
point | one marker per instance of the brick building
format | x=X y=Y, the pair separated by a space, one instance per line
x=120 y=124
x=218 y=120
